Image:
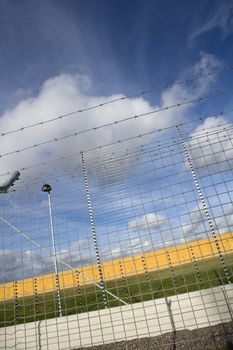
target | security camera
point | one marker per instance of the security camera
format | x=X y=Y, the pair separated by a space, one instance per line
x=10 y=182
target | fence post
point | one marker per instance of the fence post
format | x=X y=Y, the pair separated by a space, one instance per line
x=93 y=229
x=201 y=196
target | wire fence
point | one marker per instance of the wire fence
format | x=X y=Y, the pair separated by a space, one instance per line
x=133 y=242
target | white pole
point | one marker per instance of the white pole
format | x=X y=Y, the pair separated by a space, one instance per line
x=54 y=257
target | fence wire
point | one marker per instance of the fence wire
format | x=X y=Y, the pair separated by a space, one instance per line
x=142 y=239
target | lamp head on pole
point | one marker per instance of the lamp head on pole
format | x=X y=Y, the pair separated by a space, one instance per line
x=46 y=188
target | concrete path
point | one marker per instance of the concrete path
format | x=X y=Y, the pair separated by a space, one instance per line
x=155 y=317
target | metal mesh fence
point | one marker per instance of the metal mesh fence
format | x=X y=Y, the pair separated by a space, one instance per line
x=134 y=241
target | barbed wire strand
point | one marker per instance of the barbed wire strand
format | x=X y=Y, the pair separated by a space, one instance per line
x=120 y=141
x=178 y=105
x=149 y=133
x=127 y=97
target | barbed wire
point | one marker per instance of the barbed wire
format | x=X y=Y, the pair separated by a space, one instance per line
x=164 y=149
x=200 y=133
x=127 y=97
x=178 y=105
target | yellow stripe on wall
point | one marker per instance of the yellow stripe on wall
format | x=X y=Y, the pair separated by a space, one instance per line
x=155 y=260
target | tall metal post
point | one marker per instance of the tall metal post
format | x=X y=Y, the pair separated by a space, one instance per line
x=94 y=233
x=47 y=188
x=204 y=205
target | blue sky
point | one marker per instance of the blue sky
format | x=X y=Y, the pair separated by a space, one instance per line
x=121 y=45
x=57 y=56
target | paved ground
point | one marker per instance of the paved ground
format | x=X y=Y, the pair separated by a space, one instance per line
x=136 y=323
x=219 y=337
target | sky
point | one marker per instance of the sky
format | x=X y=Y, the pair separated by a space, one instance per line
x=122 y=46
x=60 y=56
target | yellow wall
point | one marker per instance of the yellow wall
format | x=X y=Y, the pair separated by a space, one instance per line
x=130 y=265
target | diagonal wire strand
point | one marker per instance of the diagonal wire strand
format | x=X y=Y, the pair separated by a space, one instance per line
x=58 y=258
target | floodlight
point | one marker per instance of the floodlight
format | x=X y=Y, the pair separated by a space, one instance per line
x=10 y=182
x=46 y=188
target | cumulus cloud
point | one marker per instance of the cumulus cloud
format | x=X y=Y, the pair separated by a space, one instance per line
x=79 y=253
x=224 y=222
x=65 y=93
x=147 y=221
x=8 y=264
x=22 y=264
x=197 y=226
x=194 y=226
x=131 y=246
x=30 y=262
x=58 y=96
x=210 y=144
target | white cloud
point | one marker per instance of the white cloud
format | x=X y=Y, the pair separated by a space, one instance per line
x=211 y=145
x=147 y=221
x=223 y=214
x=194 y=225
x=22 y=263
x=79 y=253
x=28 y=263
x=58 y=96
x=130 y=246
x=175 y=94
x=197 y=226
x=65 y=93
x=8 y=264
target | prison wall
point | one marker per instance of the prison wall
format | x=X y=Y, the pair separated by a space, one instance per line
x=130 y=265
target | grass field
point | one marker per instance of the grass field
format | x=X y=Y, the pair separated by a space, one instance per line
x=137 y=288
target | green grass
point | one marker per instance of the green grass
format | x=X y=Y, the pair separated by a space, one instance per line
x=184 y=278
